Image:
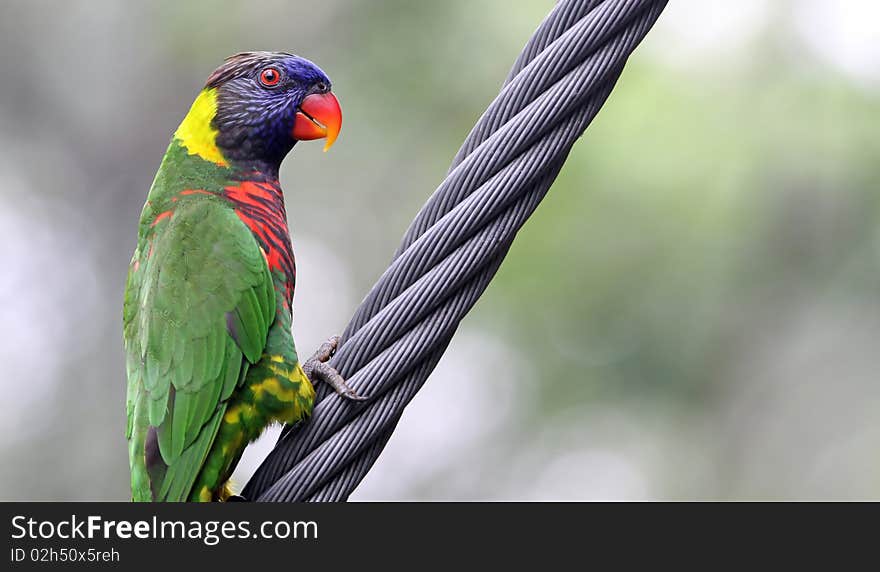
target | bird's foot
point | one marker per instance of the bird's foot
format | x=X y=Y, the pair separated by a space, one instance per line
x=317 y=368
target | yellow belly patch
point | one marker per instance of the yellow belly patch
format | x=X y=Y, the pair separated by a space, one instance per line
x=273 y=387
x=286 y=385
x=238 y=411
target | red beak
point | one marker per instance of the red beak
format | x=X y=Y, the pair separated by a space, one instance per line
x=319 y=116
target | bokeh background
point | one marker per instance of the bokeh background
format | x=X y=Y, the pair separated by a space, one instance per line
x=692 y=313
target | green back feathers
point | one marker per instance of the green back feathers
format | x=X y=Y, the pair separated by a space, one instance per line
x=199 y=302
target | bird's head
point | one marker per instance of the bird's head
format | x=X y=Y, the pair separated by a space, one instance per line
x=256 y=106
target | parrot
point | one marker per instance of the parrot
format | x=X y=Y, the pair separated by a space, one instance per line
x=207 y=314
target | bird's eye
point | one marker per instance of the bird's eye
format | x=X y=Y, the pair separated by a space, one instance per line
x=270 y=77
x=321 y=86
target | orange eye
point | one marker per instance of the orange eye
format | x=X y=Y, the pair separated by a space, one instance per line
x=270 y=77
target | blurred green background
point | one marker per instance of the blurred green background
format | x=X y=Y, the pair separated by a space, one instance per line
x=691 y=313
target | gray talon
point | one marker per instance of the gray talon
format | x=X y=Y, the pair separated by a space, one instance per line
x=316 y=368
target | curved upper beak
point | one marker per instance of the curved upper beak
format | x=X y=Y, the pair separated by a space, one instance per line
x=319 y=116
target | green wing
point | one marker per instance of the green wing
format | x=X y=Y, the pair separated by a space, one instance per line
x=198 y=305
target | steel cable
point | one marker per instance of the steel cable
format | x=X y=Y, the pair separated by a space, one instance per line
x=456 y=244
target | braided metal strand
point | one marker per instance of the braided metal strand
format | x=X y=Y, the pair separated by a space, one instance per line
x=456 y=244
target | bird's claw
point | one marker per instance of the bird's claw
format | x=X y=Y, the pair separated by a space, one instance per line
x=327 y=349
x=317 y=368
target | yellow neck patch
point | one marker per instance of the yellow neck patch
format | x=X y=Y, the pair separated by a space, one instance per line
x=195 y=131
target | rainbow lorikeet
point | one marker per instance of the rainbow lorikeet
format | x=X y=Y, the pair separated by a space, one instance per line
x=208 y=301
